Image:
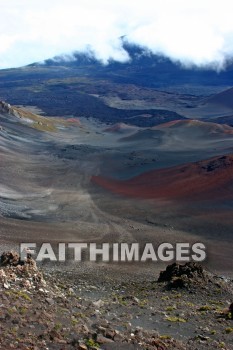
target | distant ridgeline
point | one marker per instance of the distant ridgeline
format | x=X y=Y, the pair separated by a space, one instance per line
x=147 y=69
x=62 y=87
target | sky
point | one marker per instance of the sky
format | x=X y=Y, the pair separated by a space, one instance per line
x=196 y=32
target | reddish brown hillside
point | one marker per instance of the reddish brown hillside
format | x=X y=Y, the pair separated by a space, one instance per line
x=212 y=178
x=208 y=127
x=121 y=128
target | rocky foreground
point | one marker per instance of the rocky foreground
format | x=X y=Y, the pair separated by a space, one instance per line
x=185 y=307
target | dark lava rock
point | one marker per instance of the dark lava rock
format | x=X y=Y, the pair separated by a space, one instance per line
x=190 y=269
x=10 y=258
x=178 y=282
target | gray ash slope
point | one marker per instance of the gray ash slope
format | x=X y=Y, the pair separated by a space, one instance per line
x=48 y=193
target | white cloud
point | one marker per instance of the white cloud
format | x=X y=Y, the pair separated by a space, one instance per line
x=199 y=32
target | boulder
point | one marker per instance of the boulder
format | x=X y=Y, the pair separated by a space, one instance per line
x=190 y=270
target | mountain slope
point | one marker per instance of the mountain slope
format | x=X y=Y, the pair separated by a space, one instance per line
x=209 y=179
x=147 y=69
x=224 y=99
x=146 y=86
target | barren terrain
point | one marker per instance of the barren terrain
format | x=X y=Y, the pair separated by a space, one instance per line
x=77 y=179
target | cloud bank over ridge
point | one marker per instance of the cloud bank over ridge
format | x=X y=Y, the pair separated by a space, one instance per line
x=191 y=32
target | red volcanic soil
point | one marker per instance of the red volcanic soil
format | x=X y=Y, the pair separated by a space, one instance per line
x=209 y=179
x=169 y=124
x=207 y=126
x=121 y=128
x=74 y=120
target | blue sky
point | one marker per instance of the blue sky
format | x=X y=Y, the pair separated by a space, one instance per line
x=192 y=32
